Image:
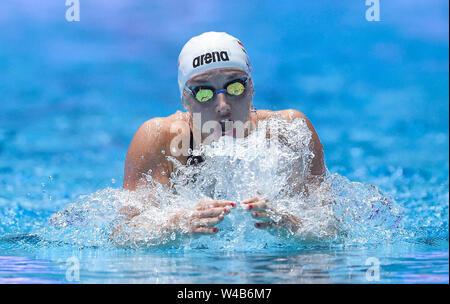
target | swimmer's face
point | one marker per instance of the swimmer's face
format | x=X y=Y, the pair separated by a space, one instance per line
x=222 y=108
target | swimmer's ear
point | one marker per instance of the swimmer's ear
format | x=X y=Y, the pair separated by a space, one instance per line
x=252 y=87
x=185 y=101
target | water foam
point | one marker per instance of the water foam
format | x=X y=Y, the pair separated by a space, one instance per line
x=337 y=211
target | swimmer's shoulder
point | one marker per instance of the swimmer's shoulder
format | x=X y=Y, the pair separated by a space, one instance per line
x=288 y=114
x=158 y=130
x=154 y=136
x=318 y=163
x=147 y=150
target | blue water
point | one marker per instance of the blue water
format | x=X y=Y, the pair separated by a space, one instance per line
x=73 y=94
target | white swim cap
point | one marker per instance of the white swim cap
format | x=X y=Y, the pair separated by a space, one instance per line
x=211 y=50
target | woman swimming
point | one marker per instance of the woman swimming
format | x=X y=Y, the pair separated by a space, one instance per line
x=216 y=87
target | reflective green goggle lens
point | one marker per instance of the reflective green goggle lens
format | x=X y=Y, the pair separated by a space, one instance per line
x=203 y=95
x=235 y=88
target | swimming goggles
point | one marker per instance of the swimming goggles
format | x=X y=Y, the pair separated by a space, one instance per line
x=205 y=93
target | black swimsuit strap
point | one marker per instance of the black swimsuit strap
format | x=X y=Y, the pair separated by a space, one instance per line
x=193 y=160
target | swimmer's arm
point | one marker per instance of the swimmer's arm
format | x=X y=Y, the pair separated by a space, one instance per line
x=145 y=154
x=317 y=169
x=270 y=218
x=132 y=234
x=264 y=213
x=200 y=220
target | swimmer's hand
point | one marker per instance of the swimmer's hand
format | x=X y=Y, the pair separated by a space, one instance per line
x=203 y=216
x=201 y=219
x=268 y=216
x=129 y=212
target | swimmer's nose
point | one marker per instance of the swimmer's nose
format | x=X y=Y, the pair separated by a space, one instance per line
x=223 y=106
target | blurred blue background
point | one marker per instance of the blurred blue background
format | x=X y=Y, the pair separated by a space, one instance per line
x=73 y=94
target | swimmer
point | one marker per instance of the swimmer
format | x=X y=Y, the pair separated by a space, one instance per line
x=216 y=87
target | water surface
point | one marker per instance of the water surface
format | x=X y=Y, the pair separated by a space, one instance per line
x=73 y=94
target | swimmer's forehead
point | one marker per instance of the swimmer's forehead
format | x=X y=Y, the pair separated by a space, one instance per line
x=216 y=74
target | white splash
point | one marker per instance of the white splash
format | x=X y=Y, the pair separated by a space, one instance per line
x=337 y=210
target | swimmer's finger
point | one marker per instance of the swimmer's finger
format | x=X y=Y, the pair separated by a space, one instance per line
x=208 y=222
x=223 y=203
x=252 y=200
x=258 y=206
x=213 y=204
x=213 y=212
x=204 y=230
x=260 y=215
x=129 y=211
x=265 y=225
x=255 y=200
